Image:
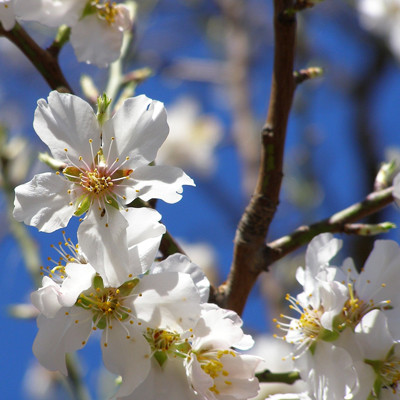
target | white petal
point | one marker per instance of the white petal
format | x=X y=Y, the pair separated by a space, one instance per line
x=168 y=300
x=7 y=16
x=139 y=128
x=373 y=335
x=105 y=247
x=380 y=275
x=143 y=236
x=396 y=188
x=181 y=263
x=79 y=278
x=158 y=385
x=50 y=12
x=321 y=250
x=44 y=202
x=45 y=299
x=160 y=182
x=220 y=328
x=95 y=41
x=67 y=122
x=60 y=335
x=128 y=357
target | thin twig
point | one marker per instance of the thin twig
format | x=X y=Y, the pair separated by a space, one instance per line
x=45 y=62
x=374 y=202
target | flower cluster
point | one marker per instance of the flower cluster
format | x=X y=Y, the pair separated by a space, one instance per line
x=158 y=333
x=97 y=26
x=344 y=340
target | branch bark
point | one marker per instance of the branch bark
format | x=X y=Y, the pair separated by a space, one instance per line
x=254 y=224
x=44 y=61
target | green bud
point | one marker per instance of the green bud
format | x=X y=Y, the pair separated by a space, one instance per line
x=385 y=175
x=51 y=162
x=103 y=103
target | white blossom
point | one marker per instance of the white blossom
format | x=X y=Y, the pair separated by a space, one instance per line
x=193 y=138
x=106 y=167
x=215 y=369
x=11 y=10
x=320 y=302
x=376 y=286
x=382 y=18
x=79 y=303
x=97 y=26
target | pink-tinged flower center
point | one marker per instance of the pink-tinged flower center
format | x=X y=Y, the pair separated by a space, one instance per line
x=96 y=182
x=99 y=181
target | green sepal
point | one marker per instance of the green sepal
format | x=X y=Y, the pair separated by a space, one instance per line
x=375 y=364
x=377 y=387
x=83 y=302
x=328 y=336
x=73 y=172
x=124 y=316
x=184 y=348
x=102 y=323
x=126 y=288
x=98 y=282
x=110 y=200
x=313 y=347
x=161 y=357
x=88 y=10
x=99 y=158
x=83 y=205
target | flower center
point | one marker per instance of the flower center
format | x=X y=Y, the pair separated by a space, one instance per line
x=107 y=10
x=355 y=308
x=212 y=364
x=166 y=343
x=390 y=374
x=107 y=304
x=95 y=181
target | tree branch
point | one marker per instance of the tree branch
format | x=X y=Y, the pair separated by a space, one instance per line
x=338 y=222
x=255 y=222
x=44 y=61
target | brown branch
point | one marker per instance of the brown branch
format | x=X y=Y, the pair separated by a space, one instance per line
x=338 y=222
x=44 y=61
x=255 y=222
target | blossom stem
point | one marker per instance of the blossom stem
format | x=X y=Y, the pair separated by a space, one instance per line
x=44 y=61
x=75 y=380
x=284 y=377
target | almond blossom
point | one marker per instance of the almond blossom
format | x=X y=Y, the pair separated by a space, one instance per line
x=78 y=303
x=11 y=10
x=320 y=302
x=106 y=166
x=202 y=362
x=97 y=26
